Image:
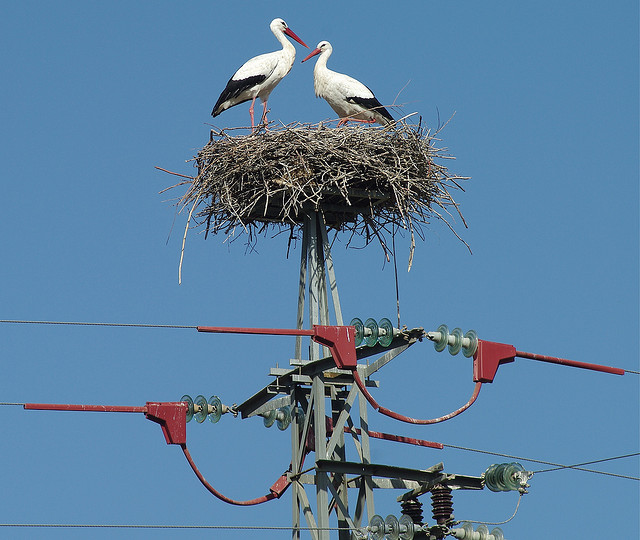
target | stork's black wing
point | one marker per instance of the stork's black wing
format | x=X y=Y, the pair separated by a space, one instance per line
x=234 y=88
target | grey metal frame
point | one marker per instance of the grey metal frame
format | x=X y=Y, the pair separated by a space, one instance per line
x=317 y=387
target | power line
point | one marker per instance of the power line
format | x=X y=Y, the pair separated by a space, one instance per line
x=588 y=463
x=557 y=466
x=75 y=323
x=138 y=325
x=160 y=526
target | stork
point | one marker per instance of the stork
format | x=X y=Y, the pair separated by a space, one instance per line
x=257 y=77
x=348 y=97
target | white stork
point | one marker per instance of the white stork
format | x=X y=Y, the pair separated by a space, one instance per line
x=258 y=76
x=348 y=97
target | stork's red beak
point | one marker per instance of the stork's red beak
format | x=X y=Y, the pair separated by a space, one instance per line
x=312 y=54
x=292 y=35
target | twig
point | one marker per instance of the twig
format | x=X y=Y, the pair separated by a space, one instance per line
x=176 y=174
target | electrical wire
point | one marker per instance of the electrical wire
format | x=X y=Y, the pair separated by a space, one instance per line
x=408 y=419
x=587 y=463
x=259 y=500
x=383 y=410
x=145 y=325
x=182 y=527
x=497 y=522
x=557 y=466
x=77 y=323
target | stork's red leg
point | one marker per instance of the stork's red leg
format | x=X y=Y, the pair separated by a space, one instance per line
x=343 y=121
x=264 y=114
x=370 y=121
x=253 y=102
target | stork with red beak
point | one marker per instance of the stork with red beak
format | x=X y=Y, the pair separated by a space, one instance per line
x=348 y=97
x=258 y=76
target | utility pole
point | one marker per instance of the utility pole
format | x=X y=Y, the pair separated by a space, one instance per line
x=325 y=403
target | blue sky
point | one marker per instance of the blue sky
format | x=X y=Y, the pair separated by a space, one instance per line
x=94 y=96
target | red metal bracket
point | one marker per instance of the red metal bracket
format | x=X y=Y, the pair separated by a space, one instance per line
x=488 y=357
x=339 y=339
x=280 y=486
x=491 y=355
x=172 y=417
x=572 y=363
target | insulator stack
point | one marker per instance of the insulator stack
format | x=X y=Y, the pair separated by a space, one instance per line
x=373 y=333
x=466 y=532
x=201 y=409
x=413 y=509
x=391 y=528
x=442 y=504
x=455 y=340
x=281 y=417
x=507 y=477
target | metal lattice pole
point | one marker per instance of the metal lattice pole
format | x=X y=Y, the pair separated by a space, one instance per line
x=318 y=288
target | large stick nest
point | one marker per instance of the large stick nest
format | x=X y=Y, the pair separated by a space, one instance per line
x=367 y=181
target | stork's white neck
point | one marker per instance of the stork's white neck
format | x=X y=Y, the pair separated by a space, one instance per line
x=321 y=64
x=284 y=41
x=322 y=74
